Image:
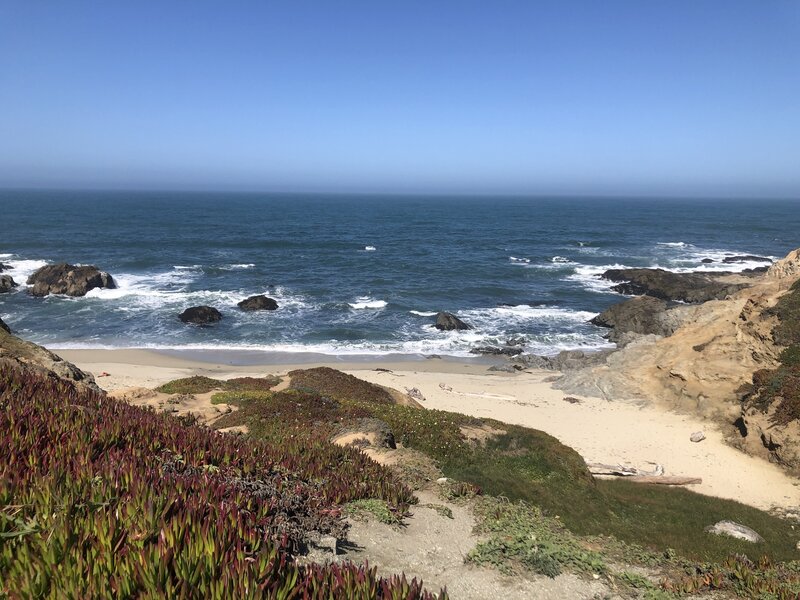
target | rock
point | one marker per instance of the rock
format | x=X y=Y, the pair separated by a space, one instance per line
x=27 y=355
x=4 y=267
x=68 y=279
x=6 y=283
x=745 y=258
x=200 y=315
x=706 y=261
x=259 y=302
x=4 y=327
x=693 y=288
x=643 y=315
x=735 y=530
x=448 y=322
x=442 y=480
x=506 y=368
x=496 y=351
x=366 y=432
x=697 y=436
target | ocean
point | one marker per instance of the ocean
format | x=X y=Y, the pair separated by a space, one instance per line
x=359 y=275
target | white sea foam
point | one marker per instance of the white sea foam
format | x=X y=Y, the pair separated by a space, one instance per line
x=366 y=302
x=22 y=269
x=517 y=260
x=588 y=276
x=560 y=259
x=369 y=248
x=239 y=266
x=422 y=313
x=674 y=244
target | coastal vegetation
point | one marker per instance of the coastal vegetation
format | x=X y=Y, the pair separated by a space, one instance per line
x=99 y=498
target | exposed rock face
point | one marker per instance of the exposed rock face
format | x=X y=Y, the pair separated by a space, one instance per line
x=28 y=355
x=497 y=350
x=259 y=302
x=643 y=315
x=4 y=267
x=448 y=322
x=68 y=279
x=666 y=285
x=4 y=327
x=6 y=283
x=200 y=315
x=787 y=269
x=735 y=530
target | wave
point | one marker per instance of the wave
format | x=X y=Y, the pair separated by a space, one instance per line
x=365 y=302
x=369 y=248
x=588 y=276
x=523 y=261
x=422 y=313
x=22 y=269
x=560 y=259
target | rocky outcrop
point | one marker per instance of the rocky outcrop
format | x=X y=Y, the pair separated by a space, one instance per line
x=728 y=260
x=4 y=327
x=735 y=530
x=4 y=267
x=27 y=355
x=672 y=287
x=6 y=284
x=449 y=322
x=68 y=279
x=200 y=315
x=643 y=315
x=259 y=302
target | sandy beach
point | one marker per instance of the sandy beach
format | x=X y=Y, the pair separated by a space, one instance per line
x=616 y=432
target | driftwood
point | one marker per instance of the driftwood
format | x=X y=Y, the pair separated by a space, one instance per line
x=665 y=480
x=624 y=471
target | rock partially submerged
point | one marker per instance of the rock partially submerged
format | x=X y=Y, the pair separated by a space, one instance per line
x=735 y=530
x=259 y=302
x=200 y=315
x=6 y=284
x=68 y=279
x=449 y=322
x=4 y=267
x=693 y=288
x=745 y=258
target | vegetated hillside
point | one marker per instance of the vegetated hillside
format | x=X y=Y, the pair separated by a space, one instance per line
x=101 y=499
x=514 y=462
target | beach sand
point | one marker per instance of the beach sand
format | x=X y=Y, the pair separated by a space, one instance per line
x=616 y=432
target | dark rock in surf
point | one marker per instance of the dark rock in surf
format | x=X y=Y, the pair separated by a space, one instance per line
x=4 y=267
x=449 y=322
x=496 y=351
x=642 y=315
x=745 y=258
x=259 y=302
x=693 y=288
x=706 y=261
x=200 y=315
x=68 y=279
x=6 y=283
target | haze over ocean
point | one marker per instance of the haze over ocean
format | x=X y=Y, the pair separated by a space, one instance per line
x=359 y=274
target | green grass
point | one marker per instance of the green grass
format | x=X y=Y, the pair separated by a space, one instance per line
x=373 y=508
x=202 y=385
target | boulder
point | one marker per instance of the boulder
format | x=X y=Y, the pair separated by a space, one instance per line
x=734 y=530
x=697 y=436
x=6 y=283
x=26 y=355
x=4 y=267
x=200 y=315
x=448 y=322
x=68 y=279
x=4 y=327
x=259 y=302
x=643 y=315
x=693 y=288
x=706 y=261
x=745 y=258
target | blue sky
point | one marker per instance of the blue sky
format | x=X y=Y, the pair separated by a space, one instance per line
x=612 y=97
